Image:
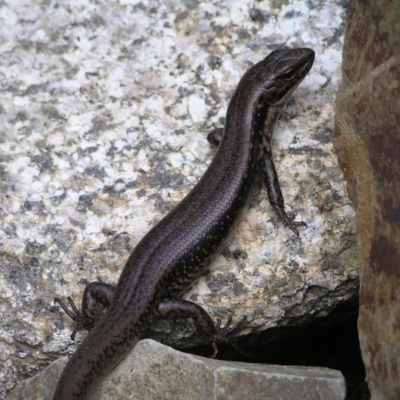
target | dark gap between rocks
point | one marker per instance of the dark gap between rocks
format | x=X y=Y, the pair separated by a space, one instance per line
x=330 y=342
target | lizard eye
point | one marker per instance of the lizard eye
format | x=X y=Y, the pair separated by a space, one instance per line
x=287 y=73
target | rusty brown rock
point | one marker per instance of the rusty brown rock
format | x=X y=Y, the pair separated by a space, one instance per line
x=367 y=141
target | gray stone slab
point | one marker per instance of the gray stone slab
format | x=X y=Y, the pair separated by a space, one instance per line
x=157 y=372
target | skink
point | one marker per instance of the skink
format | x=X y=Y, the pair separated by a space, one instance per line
x=180 y=248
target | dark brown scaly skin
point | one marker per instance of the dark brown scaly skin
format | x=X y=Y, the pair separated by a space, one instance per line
x=180 y=248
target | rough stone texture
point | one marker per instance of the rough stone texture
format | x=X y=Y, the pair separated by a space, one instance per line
x=104 y=110
x=154 y=371
x=367 y=140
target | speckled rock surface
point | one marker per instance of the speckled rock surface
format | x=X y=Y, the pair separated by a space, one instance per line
x=368 y=143
x=104 y=112
x=156 y=372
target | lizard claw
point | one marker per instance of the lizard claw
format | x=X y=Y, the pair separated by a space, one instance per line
x=82 y=322
x=224 y=334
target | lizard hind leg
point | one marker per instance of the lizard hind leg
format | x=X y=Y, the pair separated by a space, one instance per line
x=182 y=309
x=95 y=293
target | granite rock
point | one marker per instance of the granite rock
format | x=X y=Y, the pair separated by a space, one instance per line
x=104 y=113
